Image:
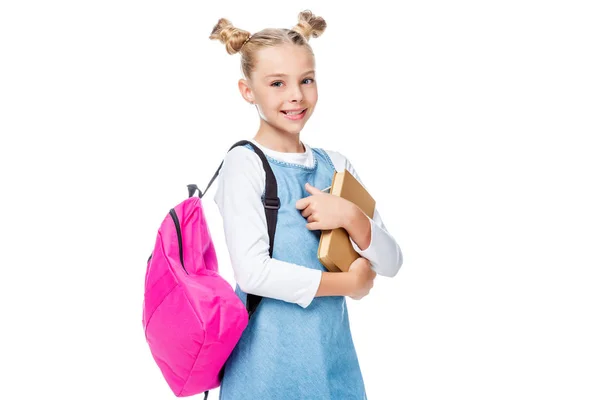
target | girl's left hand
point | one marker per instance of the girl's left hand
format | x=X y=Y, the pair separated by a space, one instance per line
x=324 y=211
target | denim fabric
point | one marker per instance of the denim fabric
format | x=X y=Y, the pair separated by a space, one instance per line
x=286 y=351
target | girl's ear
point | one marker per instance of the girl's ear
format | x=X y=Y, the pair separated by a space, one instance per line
x=246 y=91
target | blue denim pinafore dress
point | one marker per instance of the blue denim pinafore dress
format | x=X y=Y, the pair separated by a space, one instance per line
x=288 y=352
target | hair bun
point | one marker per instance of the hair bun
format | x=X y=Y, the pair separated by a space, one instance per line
x=233 y=38
x=310 y=25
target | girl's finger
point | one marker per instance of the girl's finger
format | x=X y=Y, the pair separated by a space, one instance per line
x=303 y=203
x=313 y=226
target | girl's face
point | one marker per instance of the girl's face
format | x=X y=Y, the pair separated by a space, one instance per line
x=284 y=80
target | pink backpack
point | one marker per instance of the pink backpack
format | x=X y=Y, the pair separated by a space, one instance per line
x=192 y=317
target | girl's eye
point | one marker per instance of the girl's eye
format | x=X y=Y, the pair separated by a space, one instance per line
x=274 y=83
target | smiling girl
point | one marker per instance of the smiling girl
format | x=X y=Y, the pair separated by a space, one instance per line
x=298 y=343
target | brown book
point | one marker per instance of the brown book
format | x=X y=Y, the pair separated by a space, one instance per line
x=335 y=250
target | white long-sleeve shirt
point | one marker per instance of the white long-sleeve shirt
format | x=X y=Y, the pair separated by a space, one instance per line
x=241 y=183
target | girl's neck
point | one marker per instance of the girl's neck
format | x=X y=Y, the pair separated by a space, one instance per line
x=283 y=143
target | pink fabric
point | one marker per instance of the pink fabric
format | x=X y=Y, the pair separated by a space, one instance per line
x=192 y=322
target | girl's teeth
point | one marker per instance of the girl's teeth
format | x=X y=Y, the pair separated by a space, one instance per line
x=293 y=112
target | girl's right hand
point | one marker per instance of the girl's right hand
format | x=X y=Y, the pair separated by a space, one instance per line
x=362 y=277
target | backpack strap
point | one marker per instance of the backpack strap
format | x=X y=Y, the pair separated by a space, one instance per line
x=271 y=203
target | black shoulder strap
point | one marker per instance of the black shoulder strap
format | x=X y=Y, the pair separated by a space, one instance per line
x=270 y=202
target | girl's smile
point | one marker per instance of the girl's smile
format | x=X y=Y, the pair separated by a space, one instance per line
x=295 y=115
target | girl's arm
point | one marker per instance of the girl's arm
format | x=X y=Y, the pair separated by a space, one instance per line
x=369 y=237
x=335 y=284
x=241 y=183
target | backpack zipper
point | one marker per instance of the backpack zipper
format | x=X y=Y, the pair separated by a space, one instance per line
x=179 y=239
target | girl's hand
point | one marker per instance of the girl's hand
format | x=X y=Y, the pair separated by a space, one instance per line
x=362 y=278
x=324 y=211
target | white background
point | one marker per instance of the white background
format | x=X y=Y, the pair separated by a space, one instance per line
x=474 y=125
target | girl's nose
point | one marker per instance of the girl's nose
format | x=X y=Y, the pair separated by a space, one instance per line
x=296 y=95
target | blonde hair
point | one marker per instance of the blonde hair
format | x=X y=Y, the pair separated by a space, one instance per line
x=238 y=40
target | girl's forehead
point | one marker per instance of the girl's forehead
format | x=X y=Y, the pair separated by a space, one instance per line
x=290 y=60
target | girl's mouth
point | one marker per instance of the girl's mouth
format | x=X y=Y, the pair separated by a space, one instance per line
x=294 y=115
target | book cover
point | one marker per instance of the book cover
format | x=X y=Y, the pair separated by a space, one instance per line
x=335 y=249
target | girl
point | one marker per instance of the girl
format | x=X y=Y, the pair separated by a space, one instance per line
x=297 y=344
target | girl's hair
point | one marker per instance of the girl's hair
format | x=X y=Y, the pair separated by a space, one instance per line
x=235 y=39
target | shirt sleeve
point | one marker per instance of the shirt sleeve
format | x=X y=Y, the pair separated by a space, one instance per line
x=241 y=183
x=383 y=251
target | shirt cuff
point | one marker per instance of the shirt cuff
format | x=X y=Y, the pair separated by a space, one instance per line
x=369 y=252
x=311 y=290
